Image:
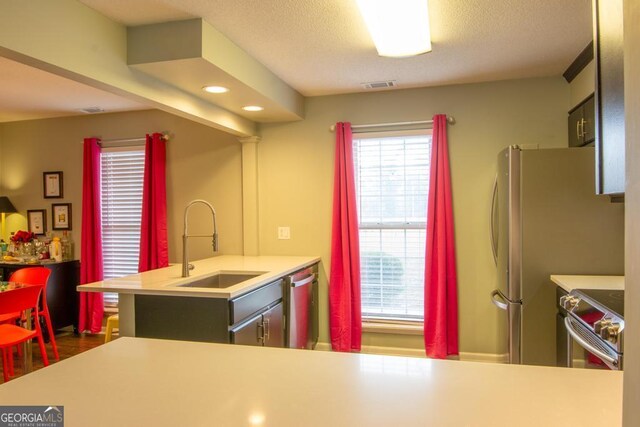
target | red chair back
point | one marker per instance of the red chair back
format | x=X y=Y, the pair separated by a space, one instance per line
x=31 y=276
x=20 y=299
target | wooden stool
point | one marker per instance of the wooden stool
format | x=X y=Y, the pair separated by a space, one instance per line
x=112 y=322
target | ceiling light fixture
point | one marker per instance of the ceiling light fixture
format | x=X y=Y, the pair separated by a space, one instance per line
x=252 y=108
x=398 y=28
x=215 y=89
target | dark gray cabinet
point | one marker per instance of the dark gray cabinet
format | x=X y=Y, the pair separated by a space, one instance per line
x=255 y=318
x=265 y=329
x=582 y=130
x=249 y=332
x=609 y=97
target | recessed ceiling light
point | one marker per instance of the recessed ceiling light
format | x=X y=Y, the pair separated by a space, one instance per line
x=399 y=30
x=215 y=89
x=252 y=108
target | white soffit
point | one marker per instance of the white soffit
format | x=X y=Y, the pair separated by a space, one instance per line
x=190 y=54
x=322 y=47
x=28 y=93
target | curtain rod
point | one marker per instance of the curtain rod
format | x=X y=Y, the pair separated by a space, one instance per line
x=450 y=120
x=126 y=141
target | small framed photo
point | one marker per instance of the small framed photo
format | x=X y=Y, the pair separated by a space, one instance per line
x=37 y=221
x=61 y=216
x=52 y=182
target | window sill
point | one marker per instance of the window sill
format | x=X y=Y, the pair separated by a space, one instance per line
x=397 y=328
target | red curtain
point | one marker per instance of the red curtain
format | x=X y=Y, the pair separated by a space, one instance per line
x=154 y=247
x=345 y=319
x=91 y=303
x=440 y=282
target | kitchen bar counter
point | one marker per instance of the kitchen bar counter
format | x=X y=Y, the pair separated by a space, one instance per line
x=569 y=283
x=166 y=281
x=135 y=381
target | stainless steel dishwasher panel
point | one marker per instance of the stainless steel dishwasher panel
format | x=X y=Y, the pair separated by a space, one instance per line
x=300 y=308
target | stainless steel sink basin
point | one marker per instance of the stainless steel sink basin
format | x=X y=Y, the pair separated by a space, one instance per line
x=221 y=280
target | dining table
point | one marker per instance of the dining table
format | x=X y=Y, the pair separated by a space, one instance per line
x=27 y=346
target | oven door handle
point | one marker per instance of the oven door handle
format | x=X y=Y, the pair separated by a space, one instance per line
x=587 y=346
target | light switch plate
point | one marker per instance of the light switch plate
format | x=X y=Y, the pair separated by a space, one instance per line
x=284 y=233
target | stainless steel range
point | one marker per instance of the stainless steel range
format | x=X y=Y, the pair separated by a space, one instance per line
x=595 y=320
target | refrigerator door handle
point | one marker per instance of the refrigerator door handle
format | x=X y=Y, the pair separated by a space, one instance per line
x=494 y=249
x=500 y=304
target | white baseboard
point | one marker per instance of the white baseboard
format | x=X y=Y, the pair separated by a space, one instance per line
x=484 y=357
x=419 y=352
x=578 y=363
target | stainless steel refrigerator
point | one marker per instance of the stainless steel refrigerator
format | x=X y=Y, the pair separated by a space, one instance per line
x=546 y=219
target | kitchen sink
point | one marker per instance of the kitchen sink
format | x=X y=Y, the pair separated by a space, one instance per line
x=221 y=280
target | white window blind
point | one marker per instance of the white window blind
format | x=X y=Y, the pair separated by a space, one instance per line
x=392 y=183
x=122 y=172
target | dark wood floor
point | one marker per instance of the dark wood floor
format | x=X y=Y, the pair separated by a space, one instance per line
x=68 y=345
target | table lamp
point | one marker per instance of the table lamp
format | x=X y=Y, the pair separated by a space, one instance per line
x=5 y=207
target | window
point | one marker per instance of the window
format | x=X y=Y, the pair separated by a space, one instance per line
x=392 y=184
x=122 y=172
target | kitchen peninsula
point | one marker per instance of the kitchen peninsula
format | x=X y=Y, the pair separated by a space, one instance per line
x=168 y=383
x=223 y=299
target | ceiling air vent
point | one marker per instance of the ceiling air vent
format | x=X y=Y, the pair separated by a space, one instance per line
x=92 y=110
x=379 y=85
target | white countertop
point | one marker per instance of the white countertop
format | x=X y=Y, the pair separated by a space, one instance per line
x=569 y=283
x=136 y=381
x=165 y=281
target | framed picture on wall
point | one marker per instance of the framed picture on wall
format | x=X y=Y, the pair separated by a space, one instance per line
x=37 y=221
x=61 y=216
x=52 y=183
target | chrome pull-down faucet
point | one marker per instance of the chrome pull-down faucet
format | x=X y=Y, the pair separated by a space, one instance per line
x=186 y=267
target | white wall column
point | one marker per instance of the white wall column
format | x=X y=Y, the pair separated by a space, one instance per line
x=250 y=194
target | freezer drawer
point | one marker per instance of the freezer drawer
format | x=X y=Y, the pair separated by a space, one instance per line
x=510 y=327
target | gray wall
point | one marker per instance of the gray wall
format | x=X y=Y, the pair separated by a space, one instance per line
x=296 y=178
x=201 y=163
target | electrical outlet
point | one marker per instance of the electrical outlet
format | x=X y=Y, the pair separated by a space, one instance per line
x=284 y=233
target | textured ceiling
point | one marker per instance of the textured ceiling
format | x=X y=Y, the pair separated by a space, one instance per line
x=322 y=47
x=28 y=93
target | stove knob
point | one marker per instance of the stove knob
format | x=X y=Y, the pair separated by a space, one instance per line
x=610 y=332
x=568 y=301
x=600 y=325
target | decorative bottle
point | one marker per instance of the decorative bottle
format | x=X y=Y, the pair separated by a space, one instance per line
x=67 y=246
x=55 y=249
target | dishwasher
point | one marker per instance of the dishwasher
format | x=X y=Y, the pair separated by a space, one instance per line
x=301 y=308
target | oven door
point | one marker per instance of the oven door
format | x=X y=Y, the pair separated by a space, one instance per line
x=596 y=350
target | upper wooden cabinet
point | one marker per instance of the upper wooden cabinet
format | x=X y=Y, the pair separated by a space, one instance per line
x=582 y=124
x=609 y=97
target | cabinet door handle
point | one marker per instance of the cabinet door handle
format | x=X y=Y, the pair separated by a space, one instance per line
x=260 y=331
x=578 y=129
x=266 y=330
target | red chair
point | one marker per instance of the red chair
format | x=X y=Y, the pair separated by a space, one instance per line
x=10 y=317
x=20 y=299
x=38 y=276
